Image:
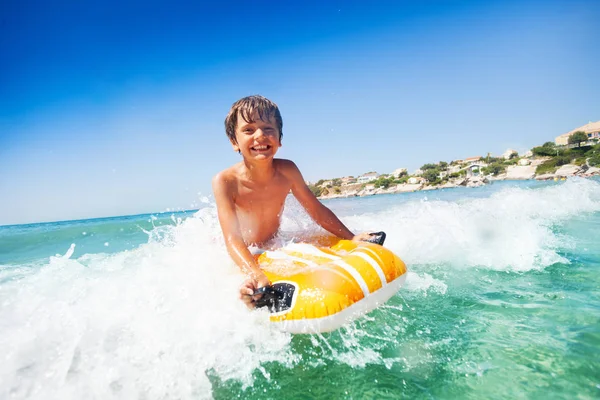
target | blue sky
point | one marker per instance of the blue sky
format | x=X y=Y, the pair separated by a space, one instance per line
x=114 y=108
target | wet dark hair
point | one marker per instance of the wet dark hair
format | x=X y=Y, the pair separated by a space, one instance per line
x=247 y=108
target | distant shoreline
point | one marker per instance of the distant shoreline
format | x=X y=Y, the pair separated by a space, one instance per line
x=472 y=181
x=64 y=221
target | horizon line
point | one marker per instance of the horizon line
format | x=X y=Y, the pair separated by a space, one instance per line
x=97 y=218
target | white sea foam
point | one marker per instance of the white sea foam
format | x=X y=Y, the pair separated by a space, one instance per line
x=424 y=283
x=512 y=230
x=154 y=322
x=161 y=320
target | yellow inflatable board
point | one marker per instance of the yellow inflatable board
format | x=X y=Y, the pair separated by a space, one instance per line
x=319 y=288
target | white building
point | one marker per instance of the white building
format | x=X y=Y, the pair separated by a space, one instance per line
x=471 y=160
x=368 y=177
x=591 y=129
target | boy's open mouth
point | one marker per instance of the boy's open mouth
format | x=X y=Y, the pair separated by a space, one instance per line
x=261 y=148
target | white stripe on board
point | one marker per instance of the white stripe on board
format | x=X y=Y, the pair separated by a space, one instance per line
x=373 y=263
x=357 y=277
x=373 y=254
x=280 y=255
x=309 y=249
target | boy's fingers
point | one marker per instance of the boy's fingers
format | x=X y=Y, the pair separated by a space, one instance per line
x=247 y=300
x=247 y=289
x=362 y=236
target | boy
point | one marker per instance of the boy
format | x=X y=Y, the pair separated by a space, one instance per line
x=250 y=195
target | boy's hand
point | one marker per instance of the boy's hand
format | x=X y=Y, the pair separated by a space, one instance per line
x=249 y=286
x=371 y=237
x=362 y=237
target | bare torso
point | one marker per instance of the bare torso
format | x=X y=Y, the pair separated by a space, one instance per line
x=259 y=205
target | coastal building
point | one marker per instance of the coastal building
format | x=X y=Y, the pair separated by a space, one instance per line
x=368 y=177
x=591 y=129
x=471 y=160
x=473 y=170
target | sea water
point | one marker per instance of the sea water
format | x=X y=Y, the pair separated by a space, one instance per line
x=502 y=301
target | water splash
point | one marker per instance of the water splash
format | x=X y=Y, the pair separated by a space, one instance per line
x=150 y=322
x=163 y=319
x=513 y=229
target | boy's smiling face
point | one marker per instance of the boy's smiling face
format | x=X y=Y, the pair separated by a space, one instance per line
x=257 y=139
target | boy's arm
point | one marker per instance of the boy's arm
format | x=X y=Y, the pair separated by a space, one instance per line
x=234 y=241
x=318 y=212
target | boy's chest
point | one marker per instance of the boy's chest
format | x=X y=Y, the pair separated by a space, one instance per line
x=251 y=196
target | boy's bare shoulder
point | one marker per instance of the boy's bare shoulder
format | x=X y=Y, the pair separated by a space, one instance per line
x=289 y=170
x=226 y=179
x=284 y=165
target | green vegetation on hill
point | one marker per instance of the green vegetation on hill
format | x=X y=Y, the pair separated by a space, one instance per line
x=433 y=173
x=594 y=156
x=495 y=168
x=548 y=149
x=387 y=181
x=427 y=167
x=577 y=155
x=550 y=166
x=316 y=189
x=578 y=138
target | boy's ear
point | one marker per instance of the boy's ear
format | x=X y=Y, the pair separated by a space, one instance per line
x=235 y=146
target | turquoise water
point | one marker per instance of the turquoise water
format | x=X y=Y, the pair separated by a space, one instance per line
x=502 y=301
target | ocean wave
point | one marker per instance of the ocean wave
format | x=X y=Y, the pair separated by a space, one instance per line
x=144 y=321
x=514 y=229
x=163 y=319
